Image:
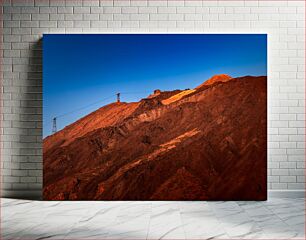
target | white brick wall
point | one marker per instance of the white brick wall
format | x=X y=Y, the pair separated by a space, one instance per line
x=24 y=22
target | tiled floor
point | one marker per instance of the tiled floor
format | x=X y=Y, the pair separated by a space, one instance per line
x=274 y=219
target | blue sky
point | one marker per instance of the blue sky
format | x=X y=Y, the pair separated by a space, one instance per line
x=81 y=69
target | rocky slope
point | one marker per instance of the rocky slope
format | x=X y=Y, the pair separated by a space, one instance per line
x=208 y=143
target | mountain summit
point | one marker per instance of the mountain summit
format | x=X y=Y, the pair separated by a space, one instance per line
x=207 y=143
x=215 y=79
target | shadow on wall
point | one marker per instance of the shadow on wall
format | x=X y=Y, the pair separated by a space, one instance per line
x=29 y=155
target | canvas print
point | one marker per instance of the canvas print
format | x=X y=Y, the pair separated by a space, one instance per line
x=155 y=117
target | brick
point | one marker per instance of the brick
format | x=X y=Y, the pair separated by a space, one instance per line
x=112 y=10
x=148 y=24
x=28 y=179
x=296 y=186
x=286 y=9
x=280 y=172
x=106 y=2
x=287 y=145
x=96 y=10
x=130 y=24
x=288 y=179
x=296 y=124
x=296 y=151
x=300 y=165
x=91 y=3
x=160 y=17
x=23 y=3
x=11 y=53
x=21 y=31
x=57 y=17
x=11 y=179
x=296 y=158
x=98 y=24
x=176 y=3
x=210 y=17
x=48 y=10
x=264 y=24
x=222 y=24
x=11 y=24
x=6 y=172
x=301 y=144
x=185 y=9
x=277 y=186
x=287 y=131
x=166 y=10
x=120 y=17
x=104 y=17
x=300 y=116
x=167 y=24
x=122 y=3
x=297 y=172
x=289 y=103
x=58 y=3
x=193 y=3
x=287 y=165
x=19 y=173
x=261 y=10
x=40 y=17
x=273 y=179
x=30 y=10
x=81 y=9
x=273 y=165
x=63 y=10
x=176 y=17
x=157 y=3
x=228 y=17
x=138 y=3
x=279 y=124
x=129 y=10
x=11 y=9
x=82 y=24
x=147 y=9
x=74 y=3
x=91 y=16
x=42 y=3
x=242 y=10
x=231 y=3
x=21 y=16
x=113 y=24
x=300 y=179
x=185 y=24
x=193 y=17
x=75 y=16
x=140 y=17
x=36 y=173
x=65 y=24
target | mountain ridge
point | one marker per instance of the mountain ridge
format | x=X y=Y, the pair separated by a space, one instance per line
x=215 y=79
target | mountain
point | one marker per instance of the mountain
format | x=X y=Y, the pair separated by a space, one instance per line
x=215 y=79
x=207 y=143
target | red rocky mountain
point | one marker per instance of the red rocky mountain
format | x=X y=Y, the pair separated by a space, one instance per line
x=207 y=143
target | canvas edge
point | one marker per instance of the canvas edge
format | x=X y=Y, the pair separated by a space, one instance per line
x=37 y=194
